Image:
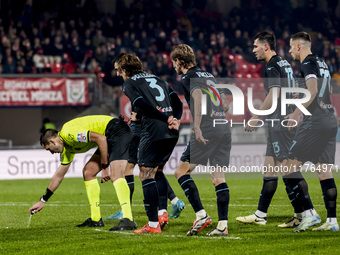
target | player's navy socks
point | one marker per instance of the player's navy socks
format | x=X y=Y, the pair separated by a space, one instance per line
x=292 y=194
x=162 y=187
x=222 y=193
x=298 y=183
x=191 y=192
x=150 y=199
x=131 y=183
x=329 y=192
x=267 y=193
x=171 y=193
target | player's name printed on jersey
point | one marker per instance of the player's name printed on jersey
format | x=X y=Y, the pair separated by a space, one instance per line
x=283 y=63
x=142 y=75
x=204 y=75
x=321 y=64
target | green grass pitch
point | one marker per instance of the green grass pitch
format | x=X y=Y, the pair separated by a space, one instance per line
x=53 y=231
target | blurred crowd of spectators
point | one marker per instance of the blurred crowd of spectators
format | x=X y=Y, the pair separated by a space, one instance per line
x=74 y=37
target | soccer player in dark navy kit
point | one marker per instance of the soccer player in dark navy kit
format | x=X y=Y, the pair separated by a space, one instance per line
x=278 y=74
x=315 y=138
x=161 y=110
x=207 y=143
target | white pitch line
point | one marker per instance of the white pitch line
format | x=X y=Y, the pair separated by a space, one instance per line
x=58 y=203
x=165 y=235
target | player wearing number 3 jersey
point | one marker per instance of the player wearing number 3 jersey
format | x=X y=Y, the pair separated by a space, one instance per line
x=161 y=110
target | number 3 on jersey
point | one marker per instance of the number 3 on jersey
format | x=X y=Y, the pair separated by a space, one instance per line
x=154 y=85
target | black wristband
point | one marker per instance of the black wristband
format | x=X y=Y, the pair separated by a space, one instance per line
x=104 y=166
x=46 y=196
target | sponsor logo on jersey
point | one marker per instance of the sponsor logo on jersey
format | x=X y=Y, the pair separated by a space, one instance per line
x=217 y=114
x=325 y=106
x=214 y=91
x=165 y=109
x=81 y=137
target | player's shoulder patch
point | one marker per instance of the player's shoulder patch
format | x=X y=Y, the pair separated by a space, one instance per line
x=82 y=137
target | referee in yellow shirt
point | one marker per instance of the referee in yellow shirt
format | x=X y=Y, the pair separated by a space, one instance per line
x=112 y=136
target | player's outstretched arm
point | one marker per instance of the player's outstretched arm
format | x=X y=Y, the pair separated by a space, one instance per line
x=54 y=184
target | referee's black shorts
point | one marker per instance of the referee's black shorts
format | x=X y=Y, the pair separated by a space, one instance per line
x=118 y=136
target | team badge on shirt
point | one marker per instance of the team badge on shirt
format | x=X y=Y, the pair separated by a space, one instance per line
x=81 y=137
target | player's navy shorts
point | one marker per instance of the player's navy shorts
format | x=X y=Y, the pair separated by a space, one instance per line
x=155 y=153
x=216 y=150
x=133 y=149
x=314 y=145
x=118 y=135
x=278 y=144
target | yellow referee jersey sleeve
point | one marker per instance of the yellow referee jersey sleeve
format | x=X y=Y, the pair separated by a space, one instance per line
x=75 y=135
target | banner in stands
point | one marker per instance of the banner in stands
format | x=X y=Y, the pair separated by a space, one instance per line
x=40 y=164
x=43 y=91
